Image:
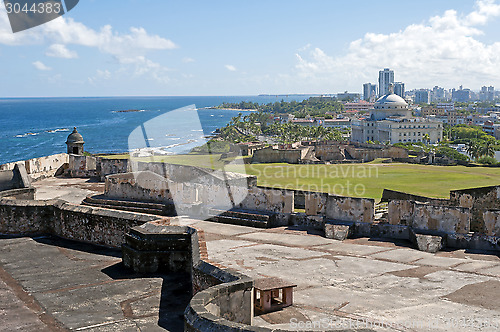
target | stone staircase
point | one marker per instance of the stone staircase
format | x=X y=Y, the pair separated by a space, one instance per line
x=249 y=218
x=131 y=206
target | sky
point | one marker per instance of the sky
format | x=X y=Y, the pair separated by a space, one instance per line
x=194 y=48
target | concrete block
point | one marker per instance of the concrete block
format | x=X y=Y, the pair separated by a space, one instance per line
x=337 y=232
x=427 y=243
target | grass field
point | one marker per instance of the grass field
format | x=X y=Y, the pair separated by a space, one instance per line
x=359 y=180
x=369 y=180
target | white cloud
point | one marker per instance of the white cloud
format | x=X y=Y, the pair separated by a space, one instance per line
x=443 y=50
x=188 y=60
x=40 y=66
x=127 y=48
x=230 y=67
x=140 y=66
x=137 y=42
x=99 y=76
x=60 y=51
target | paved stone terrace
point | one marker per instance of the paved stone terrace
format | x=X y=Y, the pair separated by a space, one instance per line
x=49 y=284
x=342 y=282
x=362 y=280
x=72 y=190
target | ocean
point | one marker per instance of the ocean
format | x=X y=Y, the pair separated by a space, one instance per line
x=36 y=127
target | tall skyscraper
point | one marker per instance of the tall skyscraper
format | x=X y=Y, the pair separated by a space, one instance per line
x=399 y=89
x=422 y=96
x=487 y=93
x=385 y=78
x=369 y=91
x=438 y=94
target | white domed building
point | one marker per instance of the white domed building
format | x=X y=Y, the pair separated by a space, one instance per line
x=392 y=121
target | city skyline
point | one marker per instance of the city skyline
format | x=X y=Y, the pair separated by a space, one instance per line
x=224 y=48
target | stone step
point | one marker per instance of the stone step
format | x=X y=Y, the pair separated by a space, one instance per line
x=117 y=202
x=251 y=215
x=240 y=221
x=128 y=208
x=139 y=207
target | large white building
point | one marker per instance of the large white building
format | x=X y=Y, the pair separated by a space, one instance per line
x=385 y=79
x=392 y=121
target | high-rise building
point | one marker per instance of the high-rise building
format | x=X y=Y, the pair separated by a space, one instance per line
x=385 y=79
x=422 y=96
x=399 y=89
x=487 y=93
x=369 y=91
x=438 y=94
x=462 y=95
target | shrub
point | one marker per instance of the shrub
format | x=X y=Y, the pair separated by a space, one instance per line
x=486 y=160
x=451 y=153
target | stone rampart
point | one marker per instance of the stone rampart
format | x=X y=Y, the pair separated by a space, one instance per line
x=492 y=222
x=80 y=223
x=478 y=200
x=389 y=195
x=39 y=168
x=350 y=209
x=269 y=200
x=82 y=166
x=427 y=217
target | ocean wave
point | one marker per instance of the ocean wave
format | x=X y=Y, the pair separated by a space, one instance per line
x=56 y=130
x=129 y=111
x=26 y=135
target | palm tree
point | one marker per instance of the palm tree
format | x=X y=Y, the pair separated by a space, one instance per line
x=427 y=138
x=487 y=149
x=473 y=149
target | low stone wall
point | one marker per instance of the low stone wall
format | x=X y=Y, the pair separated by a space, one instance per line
x=315 y=203
x=427 y=217
x=221 y=307
x=141 y=186
x=389 y=195
x=270 y=200
x=112 y=166
x=373 y=152
x=80 y=223
x=478 y=200
x=26 y=217
x=82 y=166
x=350 y=209
x=289 y=156
x=39 y=168
x=23 y=193
x=8 y=180
x=492 y=222
x=329 y=152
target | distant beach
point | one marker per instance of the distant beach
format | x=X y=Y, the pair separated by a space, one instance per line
x=36 y=127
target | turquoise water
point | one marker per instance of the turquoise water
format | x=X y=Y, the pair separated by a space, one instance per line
x=35 y=127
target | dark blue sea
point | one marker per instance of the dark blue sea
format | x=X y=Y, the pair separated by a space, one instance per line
x=35 y=127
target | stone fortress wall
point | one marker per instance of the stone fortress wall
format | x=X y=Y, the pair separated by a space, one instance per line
x=222 y=298
x=473 y=210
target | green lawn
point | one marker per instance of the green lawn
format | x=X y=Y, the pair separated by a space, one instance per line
x=360 y=180
x=201 y=160
x=369 y=180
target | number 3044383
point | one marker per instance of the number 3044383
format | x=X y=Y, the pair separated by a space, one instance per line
x=36 y=8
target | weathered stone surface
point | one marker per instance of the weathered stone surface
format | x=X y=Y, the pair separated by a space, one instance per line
x=400 y=212
x=337 y=232
x=478 y=200
x=427 y=243
x=350 y=209
x=315 y=203
x=492 y=222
